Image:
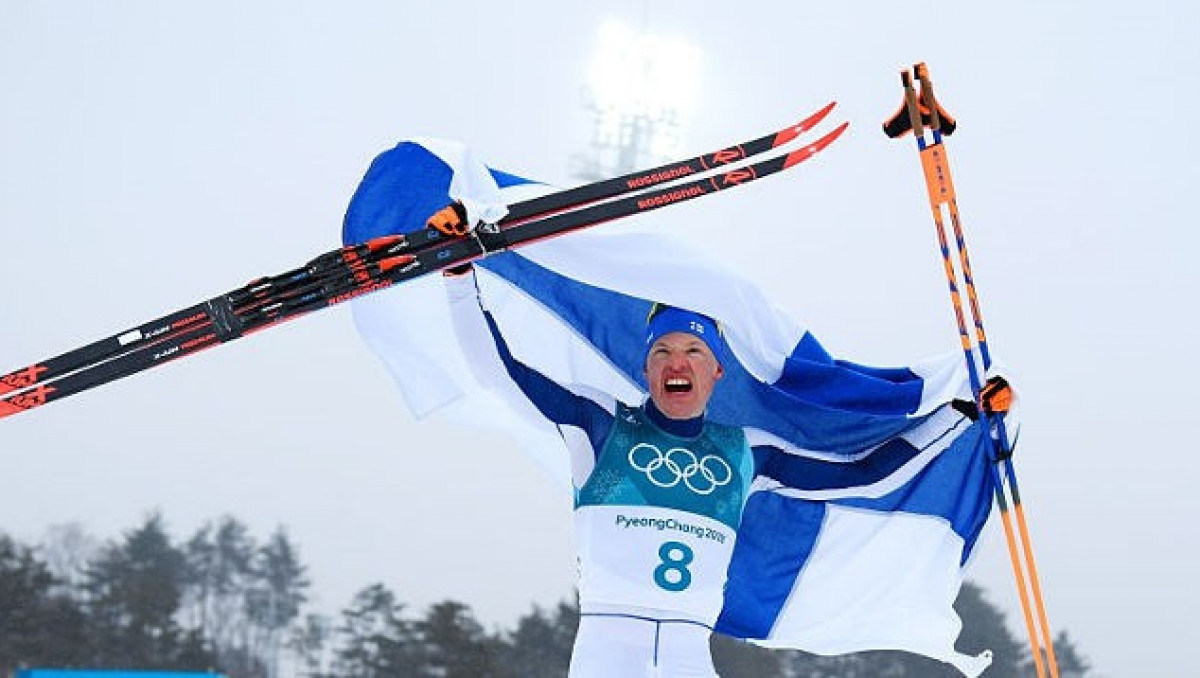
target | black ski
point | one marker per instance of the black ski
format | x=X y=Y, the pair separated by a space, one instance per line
x=668 y=173
x=349 y=272
x=336 y=261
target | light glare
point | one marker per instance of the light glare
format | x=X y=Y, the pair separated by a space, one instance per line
x=644 y=75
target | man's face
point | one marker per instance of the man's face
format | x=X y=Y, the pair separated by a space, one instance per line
x=682 y=372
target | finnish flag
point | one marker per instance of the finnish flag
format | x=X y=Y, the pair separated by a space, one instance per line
x=861 y=547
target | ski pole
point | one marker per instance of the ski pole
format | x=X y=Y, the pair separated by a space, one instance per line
x=940 y=188
x=922 y=73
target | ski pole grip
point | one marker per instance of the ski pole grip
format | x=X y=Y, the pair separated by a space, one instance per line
x=935 y=119
x=910 y=101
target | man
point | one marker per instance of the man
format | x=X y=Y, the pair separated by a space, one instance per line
x=659 y=504
x=649 y=594
x=833 y=512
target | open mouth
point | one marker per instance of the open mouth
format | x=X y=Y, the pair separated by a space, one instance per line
x=678 y=385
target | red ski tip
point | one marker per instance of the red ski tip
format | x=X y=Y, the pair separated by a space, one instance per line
x=803 y=126
x=802 y=154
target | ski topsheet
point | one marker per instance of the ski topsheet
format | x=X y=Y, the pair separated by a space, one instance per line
x=663 y=174
x=352 y=271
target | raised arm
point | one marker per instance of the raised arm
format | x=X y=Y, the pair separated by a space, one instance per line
x=496 y=368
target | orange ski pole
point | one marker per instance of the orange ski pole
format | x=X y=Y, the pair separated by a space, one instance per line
x=921 y=110
x=922 y=73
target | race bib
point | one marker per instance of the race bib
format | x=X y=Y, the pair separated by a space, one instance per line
x=652 y=557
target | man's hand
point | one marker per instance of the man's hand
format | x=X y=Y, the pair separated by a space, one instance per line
x=996 y=395
x=451 y=220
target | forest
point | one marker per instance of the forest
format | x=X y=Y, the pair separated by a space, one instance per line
x=226 y=601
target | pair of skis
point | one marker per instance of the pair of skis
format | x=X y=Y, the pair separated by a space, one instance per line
x=918 y=112
x=352 y=271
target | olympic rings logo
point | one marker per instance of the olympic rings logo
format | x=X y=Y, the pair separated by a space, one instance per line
x=678 y=464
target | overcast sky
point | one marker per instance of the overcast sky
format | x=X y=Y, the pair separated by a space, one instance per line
x=154 y=154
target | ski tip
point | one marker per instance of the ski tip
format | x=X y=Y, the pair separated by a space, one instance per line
x=812 y=120
x=808 y=151
x=803 y=126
